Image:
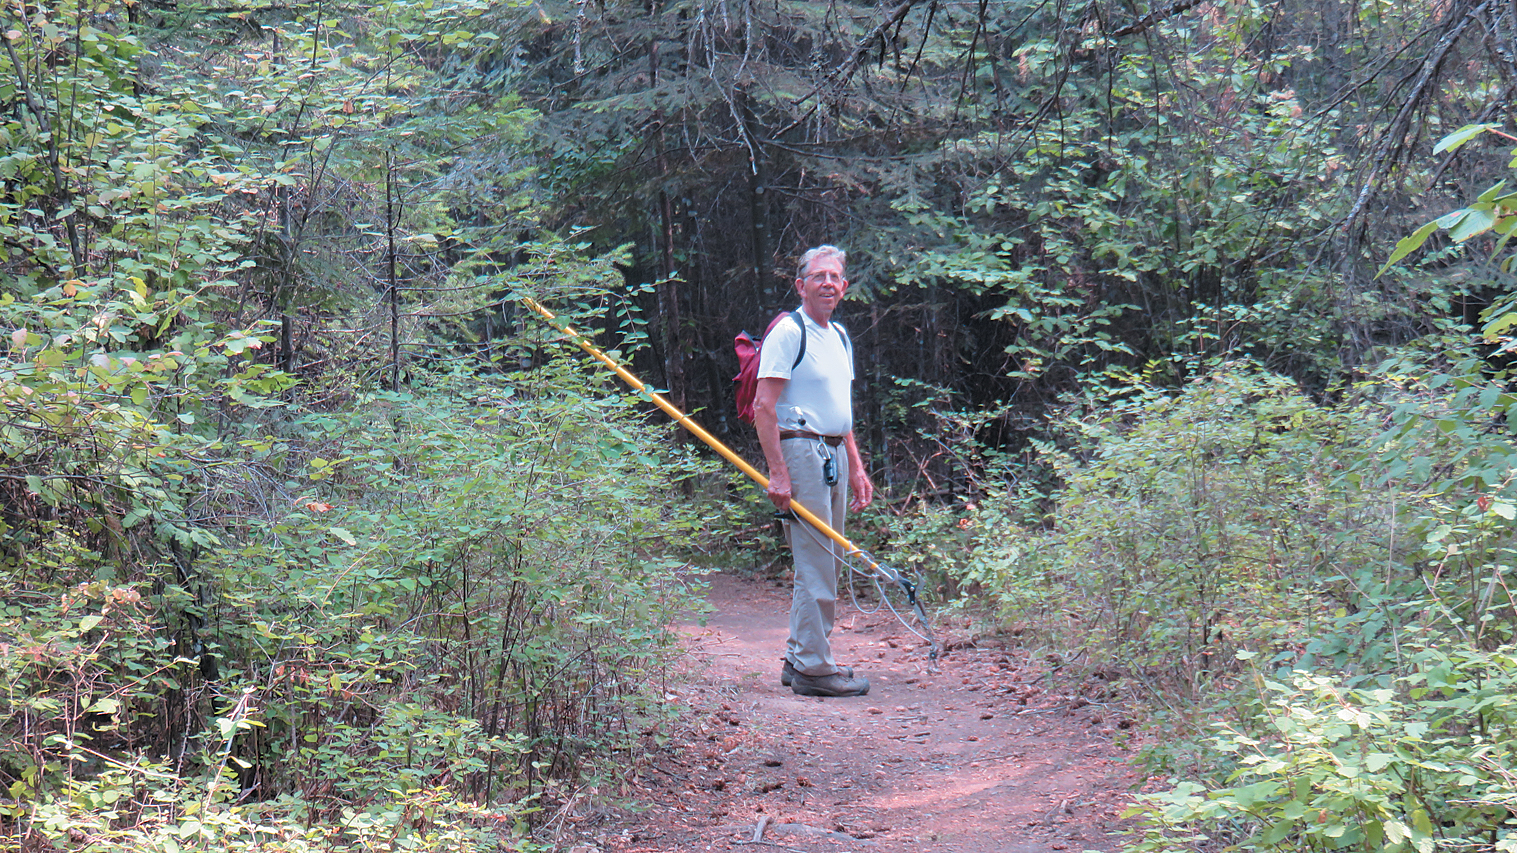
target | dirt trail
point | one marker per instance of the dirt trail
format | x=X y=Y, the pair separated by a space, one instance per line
x=988 y=755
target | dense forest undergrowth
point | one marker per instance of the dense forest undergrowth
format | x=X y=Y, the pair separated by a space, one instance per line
x=1183 y=336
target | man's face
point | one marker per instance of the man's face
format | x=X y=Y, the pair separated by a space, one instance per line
x=822 y=286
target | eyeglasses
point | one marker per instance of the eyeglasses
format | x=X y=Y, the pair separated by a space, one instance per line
x=824 y=275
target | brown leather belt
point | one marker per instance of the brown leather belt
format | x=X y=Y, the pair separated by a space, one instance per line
x=832 y=440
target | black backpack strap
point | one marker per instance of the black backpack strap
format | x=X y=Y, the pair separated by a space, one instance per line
x=801 y=353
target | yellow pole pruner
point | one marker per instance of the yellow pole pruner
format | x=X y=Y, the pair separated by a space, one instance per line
x=876 y=569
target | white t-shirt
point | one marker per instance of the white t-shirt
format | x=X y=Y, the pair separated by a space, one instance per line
x=819 y=396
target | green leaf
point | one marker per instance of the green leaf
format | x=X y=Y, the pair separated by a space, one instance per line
x=89 y=622
x=1500 y=325
x=1454 y=140
x=344 y=535
x=1409 y=244
x=1474 y=222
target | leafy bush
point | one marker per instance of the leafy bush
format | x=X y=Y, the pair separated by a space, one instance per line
x=249 y=600
x=1421 y=766
x=980 y=552
x=458 y=593
x=1195 y=524
x=1448 y=444
x=1358 y=555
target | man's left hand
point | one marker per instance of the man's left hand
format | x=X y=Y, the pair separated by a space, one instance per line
x=860 y=490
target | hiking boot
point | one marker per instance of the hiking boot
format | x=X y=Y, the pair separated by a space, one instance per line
x=788 y=673
x=836 y=684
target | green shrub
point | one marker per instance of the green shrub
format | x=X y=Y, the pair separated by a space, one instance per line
x=981 y=552
x=455 y=595
x=1421 y=766
x=1196 y=524
x=1448 y=444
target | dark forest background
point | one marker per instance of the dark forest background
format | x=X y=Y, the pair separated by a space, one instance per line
x=1183 y=337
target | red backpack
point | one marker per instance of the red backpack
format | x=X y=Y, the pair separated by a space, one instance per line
x=748 y=360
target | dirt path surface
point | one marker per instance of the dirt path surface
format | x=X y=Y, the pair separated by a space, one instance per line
x=987 y=755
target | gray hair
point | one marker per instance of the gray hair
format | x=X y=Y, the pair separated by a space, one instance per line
x=821 y=252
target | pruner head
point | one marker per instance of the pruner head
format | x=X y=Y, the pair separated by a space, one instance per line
x=907 y=587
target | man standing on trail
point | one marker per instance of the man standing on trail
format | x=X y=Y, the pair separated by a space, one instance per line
x=804 y=417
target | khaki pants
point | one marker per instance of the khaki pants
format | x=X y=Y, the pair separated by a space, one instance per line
x=813 y=604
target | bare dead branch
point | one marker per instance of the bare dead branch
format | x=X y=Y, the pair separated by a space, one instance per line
x=843 y=73
x=1154 y=17
x=1393 y=141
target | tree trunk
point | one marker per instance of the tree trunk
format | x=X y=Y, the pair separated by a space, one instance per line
x=668 y=288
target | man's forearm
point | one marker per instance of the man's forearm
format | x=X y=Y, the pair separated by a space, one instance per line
x=766 y=420
x=768 y=425
x=855 y=460
x=861 y=490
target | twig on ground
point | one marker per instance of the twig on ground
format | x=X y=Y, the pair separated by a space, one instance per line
x=758 y=836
